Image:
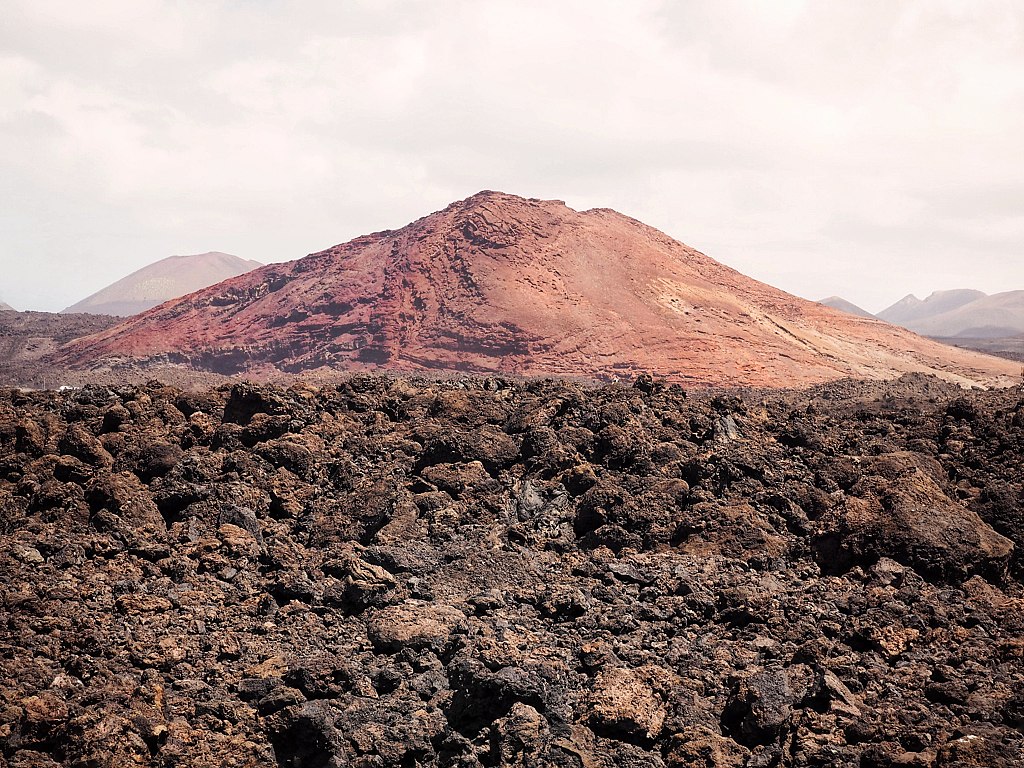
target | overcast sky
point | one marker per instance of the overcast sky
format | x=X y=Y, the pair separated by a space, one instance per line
x=867 y=149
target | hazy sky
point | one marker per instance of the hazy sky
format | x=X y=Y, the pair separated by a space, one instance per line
x=868 y=149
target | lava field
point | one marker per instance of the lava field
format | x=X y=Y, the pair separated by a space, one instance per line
x=487 y=572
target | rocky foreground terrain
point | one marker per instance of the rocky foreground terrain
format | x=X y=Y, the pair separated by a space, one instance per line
x=486 y=573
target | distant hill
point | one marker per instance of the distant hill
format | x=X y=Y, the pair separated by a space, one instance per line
x=838 y=302
x=961 y=314
x=989 y=317
x=5 y=307
x=910 y=309
x=166 y=279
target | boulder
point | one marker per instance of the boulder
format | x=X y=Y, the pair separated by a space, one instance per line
x=898 y=509
x=760 y=707
x=123 y=494
x=623 y=703
x=414 y=624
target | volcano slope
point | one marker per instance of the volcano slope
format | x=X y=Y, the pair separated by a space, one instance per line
x=398 y=572
x=498 y=283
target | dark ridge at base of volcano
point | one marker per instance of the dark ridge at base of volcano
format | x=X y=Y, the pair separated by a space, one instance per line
x=400 y=572
x=27 y=337
x=1010 y=347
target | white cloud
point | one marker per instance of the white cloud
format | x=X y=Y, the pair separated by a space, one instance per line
x=866 y=149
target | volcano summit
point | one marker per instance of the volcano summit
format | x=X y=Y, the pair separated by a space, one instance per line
x=502 y=284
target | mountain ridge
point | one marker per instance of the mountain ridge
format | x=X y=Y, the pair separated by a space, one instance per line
x=961 y=313
x=910 y=309
x=992 y=316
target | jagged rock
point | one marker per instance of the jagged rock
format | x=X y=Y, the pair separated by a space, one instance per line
x=761 y=707
x=899 y=510
x=521 y=734
x=126 y=496
x=306 y=588
x=82 y=444
x=701 y=747
x=414 y=624
x=364 y=584
x=305 y=735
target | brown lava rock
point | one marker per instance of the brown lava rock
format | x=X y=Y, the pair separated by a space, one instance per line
x=484 y=572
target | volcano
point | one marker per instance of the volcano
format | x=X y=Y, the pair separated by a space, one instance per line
x=838 y=302
x=162 y=280
x=499 y=284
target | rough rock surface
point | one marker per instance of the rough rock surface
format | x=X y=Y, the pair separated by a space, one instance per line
x=395 y=572
x=500 y=284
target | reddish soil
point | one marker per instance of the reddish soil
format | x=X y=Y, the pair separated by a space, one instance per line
x=501 y=284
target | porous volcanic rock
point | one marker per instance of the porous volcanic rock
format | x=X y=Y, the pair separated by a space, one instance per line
x=898 y=508
x=502 y=284
x=616 y=576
